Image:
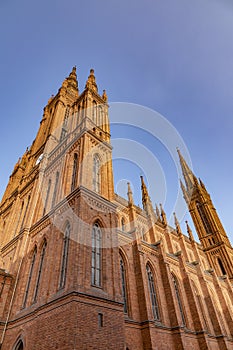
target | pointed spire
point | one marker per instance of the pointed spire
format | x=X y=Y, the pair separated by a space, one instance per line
x=163 y=215
x=130 y=195
x=145 y=195
x=104 y=96
x=91 y=83
x=189 y=177
x=157 y=212
x=189 y=232
x=178 y=229
x=202 y=185
x=72 y=79
x=146 y=201
x=185 y=193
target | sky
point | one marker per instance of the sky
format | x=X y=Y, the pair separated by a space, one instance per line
x=173 y=57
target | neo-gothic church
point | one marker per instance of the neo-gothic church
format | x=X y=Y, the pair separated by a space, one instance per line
x=83 y=268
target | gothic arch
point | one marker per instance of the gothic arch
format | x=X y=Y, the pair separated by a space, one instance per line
x=218 y=308
x=40 y=267
x=19 y=345
x=153 y=291
x=64 y=225
x=200 y=305
x=65 y=254
x=43 y=241
x=75 y=169
x=31 y=252
x=124 y=256
x=220 y=266
x=179 y=298
x=97 y=265
x=124 y=271
x=123 y=224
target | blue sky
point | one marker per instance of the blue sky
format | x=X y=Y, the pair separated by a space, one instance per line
x=173 y=56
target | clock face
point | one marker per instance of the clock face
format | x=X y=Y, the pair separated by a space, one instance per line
x=39 y=159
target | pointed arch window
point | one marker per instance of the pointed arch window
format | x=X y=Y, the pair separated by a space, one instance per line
x=153 y=296
x=200 y=306
x=123 y=284
x=25 y=212
x=55 y=189
x=79 y=115
x=47 y=196
x=96 y=258
x=75 y=172
x=65 y=256
x=100 y=117
x=204 y=219
x=42 y=256
x=122 y=224
x=177 y=292
x=222 y=269
x=96 y=173
x=65 y=124
x=94 y=112
x=19 y=217
x=30 y=277
x=19 y=345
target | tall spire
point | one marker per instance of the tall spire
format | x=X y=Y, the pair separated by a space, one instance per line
x=157 y=212
x=91 y=83
x=189 y=232
x=130 y=194
x=178 y=229
x=163 y=215
x=70 y=85
x=146 y=201
x=185 y=193
x=189 y=177
x=72 y=78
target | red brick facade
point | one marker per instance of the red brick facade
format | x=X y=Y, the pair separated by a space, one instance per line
x=83 y=268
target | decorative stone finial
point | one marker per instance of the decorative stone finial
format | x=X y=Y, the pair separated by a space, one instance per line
x=104 y=96
x=91 y=83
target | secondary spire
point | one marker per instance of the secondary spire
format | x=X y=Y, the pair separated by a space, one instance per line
x=91 y=83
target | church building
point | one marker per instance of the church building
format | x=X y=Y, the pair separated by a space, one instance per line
x=83 y=268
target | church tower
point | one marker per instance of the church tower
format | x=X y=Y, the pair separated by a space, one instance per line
x=207 y=223
x=58 y=226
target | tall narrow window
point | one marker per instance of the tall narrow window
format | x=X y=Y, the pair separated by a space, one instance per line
x=55 y=189
x=153 y=297
x=123 y=224
x=65 y=256
x=178 y=299
x=96 y=258
x=96 y=173
x=29 y=277
x=20 y=213
x=47 y=196
x=79 y=115
x=123 y=284
x=94 y=112
x=65 y=124
x=201 y=211
x=25 y=212
x=40 y=270
x=75 y=172
x=200 y=306
x=223 y=271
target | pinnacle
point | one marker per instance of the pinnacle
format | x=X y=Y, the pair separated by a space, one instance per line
x=91 y=83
